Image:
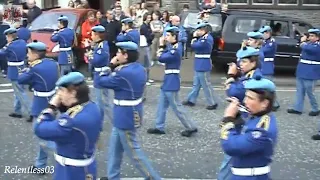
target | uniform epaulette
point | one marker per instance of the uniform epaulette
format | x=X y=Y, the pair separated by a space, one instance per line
x=33 y=63
x=72 y=112
x=264 y=122
x=250 y=74
x=100 y=45
x=175 y=46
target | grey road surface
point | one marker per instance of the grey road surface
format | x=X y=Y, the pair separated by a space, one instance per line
x=198 y=157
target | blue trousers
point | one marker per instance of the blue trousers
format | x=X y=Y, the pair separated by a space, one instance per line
x=275 y=103
x=202 y=79
x=171 y=98
x=65 y=69
x=44 y=148
x=304 y=87
x=103 y=102
x=20 y=99
x=126 y=141
x=225 y=168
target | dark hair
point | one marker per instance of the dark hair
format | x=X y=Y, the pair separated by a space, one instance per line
x=265 y=95
x=64 y=23
x=186 y=6
x=133 y=56
x=83 y=91
x=91 y=13
x=157 y=13
x=174 y=33
x=256 y=60
x=167 y=18
x=145 y=16
x=41 y=54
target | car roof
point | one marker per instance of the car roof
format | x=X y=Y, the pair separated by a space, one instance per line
x=72 y=10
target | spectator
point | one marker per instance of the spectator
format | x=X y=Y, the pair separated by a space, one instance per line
x=33 y=11
x=3 y=42
x=157 y=29
x=141 y=12
x=133 y=15
x=146 y=37
x=185 y=11
x=165 y=18
x=71 y=4
x=113 y=28
x=118 y=13
x=99 y=16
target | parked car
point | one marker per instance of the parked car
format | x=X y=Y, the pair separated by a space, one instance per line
x=231 y=28
x=44 y=25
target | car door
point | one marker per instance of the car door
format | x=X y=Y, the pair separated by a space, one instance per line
x=286 y=51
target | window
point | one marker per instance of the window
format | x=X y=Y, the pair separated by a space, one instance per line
x=48 y=21
x=307 y=2
x=300 y=28
x=262 y=1
x=279 y=28
x=245 y=25
x=288 y=1
x=214 y=20
x=237 y=1
x=50 y=3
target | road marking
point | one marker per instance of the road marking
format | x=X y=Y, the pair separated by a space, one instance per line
x=6 y=90
x=163 y=179
x=6 y=85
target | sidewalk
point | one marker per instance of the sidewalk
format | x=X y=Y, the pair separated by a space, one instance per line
x=217 y=78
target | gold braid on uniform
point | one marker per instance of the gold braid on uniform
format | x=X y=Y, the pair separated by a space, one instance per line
x=264 y=122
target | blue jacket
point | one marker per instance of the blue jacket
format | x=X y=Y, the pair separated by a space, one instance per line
x=252 y=147
x=65 y=38
x=128 y=82
x=269 y=49
x=24 y=33
x=237 y=89
x=172 y=59
x=42 y=75
x=100 y=59
x=309 y=65
x=15 y=53
x=75 y=133
x=202 y=47
x=131 y=35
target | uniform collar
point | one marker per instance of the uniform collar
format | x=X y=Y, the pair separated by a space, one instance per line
x=250 y=73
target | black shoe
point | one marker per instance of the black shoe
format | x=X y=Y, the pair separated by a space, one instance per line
x=188 y=133
x=155 y=131
x=212 y=107
x=315 y=137
x=36 y=170
x=103 y=178
x=188 y=103
x=14 y=115
x=292 y=111
x=275 y=108
x=30 y=119
x=314 y=113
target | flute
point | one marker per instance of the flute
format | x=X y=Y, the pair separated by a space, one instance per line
x=241 y=107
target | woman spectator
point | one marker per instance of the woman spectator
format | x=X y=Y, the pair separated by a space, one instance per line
x=99 y=16
x=157 y=29
x=71 y=4
x=86 y=37
x=133 y=15
x=165 y=18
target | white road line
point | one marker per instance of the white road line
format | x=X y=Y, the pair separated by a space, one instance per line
x=6 y=85
x=164 y=179
x=6 y=90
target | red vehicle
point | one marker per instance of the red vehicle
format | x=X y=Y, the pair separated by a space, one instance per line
x=44 y=25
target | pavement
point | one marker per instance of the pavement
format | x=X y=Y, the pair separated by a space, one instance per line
x=175 y=157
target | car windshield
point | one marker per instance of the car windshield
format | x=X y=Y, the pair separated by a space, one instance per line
x=214 y=20
x=49 y=21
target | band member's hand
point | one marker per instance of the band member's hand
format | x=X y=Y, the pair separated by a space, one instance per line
x=244 y=43
x=233 y=108
x=56 y=99
x=232 y=69
x=304 y=38
x=228 y=81
x=114 y=60
x=161 y=41
x=195 y=33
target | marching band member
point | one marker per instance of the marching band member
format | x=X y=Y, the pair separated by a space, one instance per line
x=42 y=74
x=202 y=44
x=308 y=72
x=15 y=53
x=248 y=68
x=251 y=146
x=128 y=80
x=100 y=61
x=65 y=38
x=75 y=131
x=169 y=95
x=269 y=48
x=128 y=33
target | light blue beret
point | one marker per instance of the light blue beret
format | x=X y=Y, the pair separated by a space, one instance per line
x=129 y=45
x=126 y=20
x=172 y=29
x=260 y=83
x=201 y=25
x=247 y=52
x=255 y=35
x=98 y=28
x=314 y=31
x=63 y=18
x=36 y=45
x=10 y=31
x=71 y=78
x=265 y=29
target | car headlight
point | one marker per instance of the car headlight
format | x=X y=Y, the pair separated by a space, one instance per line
x=56 y=48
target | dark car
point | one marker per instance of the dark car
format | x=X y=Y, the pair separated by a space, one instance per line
x=234 y=25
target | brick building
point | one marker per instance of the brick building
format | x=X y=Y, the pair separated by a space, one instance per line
x=308 y=10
